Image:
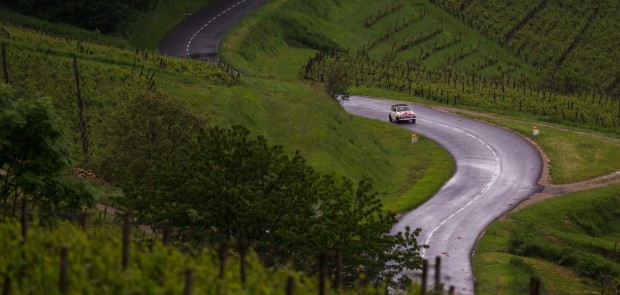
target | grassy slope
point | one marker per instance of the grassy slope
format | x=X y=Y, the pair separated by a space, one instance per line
x=289 y=62
x=301 y=118
x=344 y=26
x=574 y=157
x=583 y=223
x=287 y=113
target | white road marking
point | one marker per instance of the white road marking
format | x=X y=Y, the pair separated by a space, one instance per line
x=210 y=21
x=478 y=196
x=481 y=193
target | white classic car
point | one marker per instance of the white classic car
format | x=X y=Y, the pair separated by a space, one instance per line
x=401 y=112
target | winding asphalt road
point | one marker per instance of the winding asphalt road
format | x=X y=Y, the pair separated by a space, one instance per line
x=200 y=34
x=495 y=168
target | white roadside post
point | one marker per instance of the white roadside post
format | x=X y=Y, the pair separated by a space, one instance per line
x=414 y=138
x=535 y=131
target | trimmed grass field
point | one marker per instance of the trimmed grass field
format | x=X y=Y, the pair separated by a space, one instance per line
x=302 y=118
x=567 y=241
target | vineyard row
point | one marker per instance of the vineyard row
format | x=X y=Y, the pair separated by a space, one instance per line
x=594 y=109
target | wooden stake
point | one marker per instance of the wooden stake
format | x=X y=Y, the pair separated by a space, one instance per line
x=80 y=105
x=84 y=220
x=242 y=252
x=24 y=219
x=126 y=233
x=338 y=279
x=290 y=284
x=166 y=235
x=223 y=255
x=5 y=66
x=534 y=286
x=424 y=277
x=6 y=288
x=322 y=268
x=437 y=274
x=189 y=282
x=63 y=286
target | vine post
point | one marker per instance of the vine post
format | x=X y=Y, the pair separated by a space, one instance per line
x=24 y=219
x=424 y=277
x=290 y=284
x=5 y=66
x=63 y=285
x=438 y=286
x=338 y=279
x=223 y=253
x=6 y=287
x=322 y=270
x=80 y=104
x=126 y=234
x=189 y=281
x=242 y=253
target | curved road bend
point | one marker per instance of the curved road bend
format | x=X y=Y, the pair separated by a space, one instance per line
x=200 y=34
x=495 y=170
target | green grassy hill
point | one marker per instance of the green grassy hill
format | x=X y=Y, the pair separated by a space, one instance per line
x=279 y=30
x=428 y=51
x=449 y=62
x=297 y=116
x=416 y=48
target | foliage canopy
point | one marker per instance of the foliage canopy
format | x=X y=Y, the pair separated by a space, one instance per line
x=33 y=156
x=229 y=184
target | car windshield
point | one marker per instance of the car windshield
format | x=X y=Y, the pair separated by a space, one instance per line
x=403 y=109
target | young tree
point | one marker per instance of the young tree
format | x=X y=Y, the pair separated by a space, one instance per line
x=338 y=82
x=230 y=183
x=356 y=223
x=33 y=157
x=146 y=128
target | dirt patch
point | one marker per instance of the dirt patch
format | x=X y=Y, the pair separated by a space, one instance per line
x=551 y=191
x=89 y=175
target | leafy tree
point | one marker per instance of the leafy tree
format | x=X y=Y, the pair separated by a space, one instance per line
x=145 y=129
x=33 y=157
x=357 y=223
x=229 y=183
x=338 y=82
